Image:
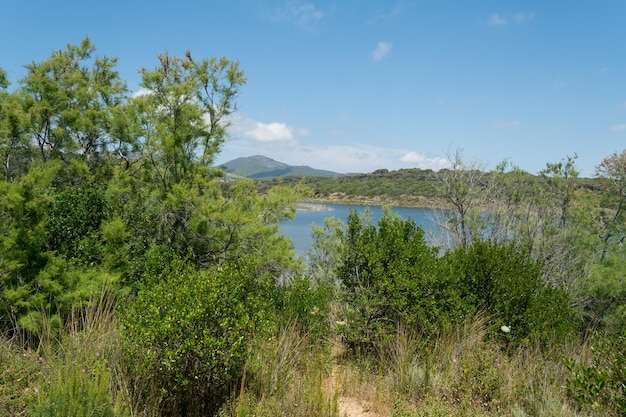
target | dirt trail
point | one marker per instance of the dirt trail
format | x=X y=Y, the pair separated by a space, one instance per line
x=348 y=406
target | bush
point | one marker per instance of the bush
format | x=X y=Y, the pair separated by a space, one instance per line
x=601 y=384
x=74 y=223
x=186 y=337
x=308 y=304
x=390 y=276
x=503 y=281
x=602 y=295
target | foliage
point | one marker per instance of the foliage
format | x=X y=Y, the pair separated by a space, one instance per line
x=462 y=186
x=179 y=142
x=602 y=383
x=502 y=280
x=71 y=100
x=401 y=185
x=187 y=335
x=105 y=193
x=49 y=244
x=74 y=223
x=612 y=173
x=602 y=296
x=389 y=276
x=308 y=303
x=323 y=256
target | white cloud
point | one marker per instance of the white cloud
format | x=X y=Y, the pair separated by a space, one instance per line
x=270 y=132
x=496 y=20
x=141 y=92
x=275 y=132
x=285 y=143
x=521 y=17
x=382 y=50
x=622 y=105
x=618 y=128
x=509 y=123
x=419 y=160
x=358 y=158
x=300 y=13
x=337 y=158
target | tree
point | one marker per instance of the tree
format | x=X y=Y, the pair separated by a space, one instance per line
x=14 y=146
x=461 y=185
x=389 y=277
x=612 y=173
x=561 y=180
x=182 y=115
x=70 y=100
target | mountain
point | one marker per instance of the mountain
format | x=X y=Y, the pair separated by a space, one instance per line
x=262 y=167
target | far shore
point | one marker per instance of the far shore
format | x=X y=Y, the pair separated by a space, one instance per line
x=404 y=201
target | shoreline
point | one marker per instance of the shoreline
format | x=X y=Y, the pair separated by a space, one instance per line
x=405 y=201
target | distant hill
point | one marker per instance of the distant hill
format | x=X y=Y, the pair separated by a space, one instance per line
x=262 y=167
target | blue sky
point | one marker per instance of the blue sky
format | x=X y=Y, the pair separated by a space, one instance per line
x=353 y=86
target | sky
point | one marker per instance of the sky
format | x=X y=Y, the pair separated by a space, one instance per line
x=355 y=86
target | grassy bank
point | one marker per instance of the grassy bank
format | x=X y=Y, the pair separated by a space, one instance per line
x=457 y=373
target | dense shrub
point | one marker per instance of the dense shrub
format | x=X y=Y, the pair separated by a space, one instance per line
x=308 y=304
x=186 y=337
x=390 y=275
x=503 y=281
x=602 y=295
x=601 y=384
x=74 y=223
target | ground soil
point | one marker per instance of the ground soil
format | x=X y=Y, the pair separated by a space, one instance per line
x=348 y=406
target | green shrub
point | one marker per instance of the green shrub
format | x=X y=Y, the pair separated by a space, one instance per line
x=308 y=304
x=503 y=281
x=74 y=223
x=602 y=295
x=601 y=385
x=186 y=336
x=390 y=276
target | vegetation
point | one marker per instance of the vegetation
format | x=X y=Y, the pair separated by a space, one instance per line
x=406 y=187
x=137 y=280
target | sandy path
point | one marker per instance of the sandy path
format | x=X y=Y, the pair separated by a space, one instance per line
x=348 y=406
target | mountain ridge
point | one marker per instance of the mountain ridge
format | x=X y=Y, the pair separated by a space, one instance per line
x=262 y=167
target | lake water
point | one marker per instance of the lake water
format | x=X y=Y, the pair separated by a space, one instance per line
x=299 y=228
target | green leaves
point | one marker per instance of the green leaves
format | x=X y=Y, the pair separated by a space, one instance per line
x=182 y=115
x=389 y=275
x=503 y=281
x=196 y=326
x=69 y=99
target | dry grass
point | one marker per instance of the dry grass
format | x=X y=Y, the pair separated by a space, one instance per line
x=462 y=372
x=286 y=375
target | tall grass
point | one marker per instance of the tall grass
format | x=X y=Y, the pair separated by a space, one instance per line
x=286 y=375
x=68 y=373
x=462 y=372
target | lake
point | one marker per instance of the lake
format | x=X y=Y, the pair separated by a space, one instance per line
x=299 y=228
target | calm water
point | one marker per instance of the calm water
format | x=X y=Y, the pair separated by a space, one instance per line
x=299 y=229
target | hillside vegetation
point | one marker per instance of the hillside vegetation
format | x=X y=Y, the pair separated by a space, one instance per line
x=137 y=280
x=409 y=187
